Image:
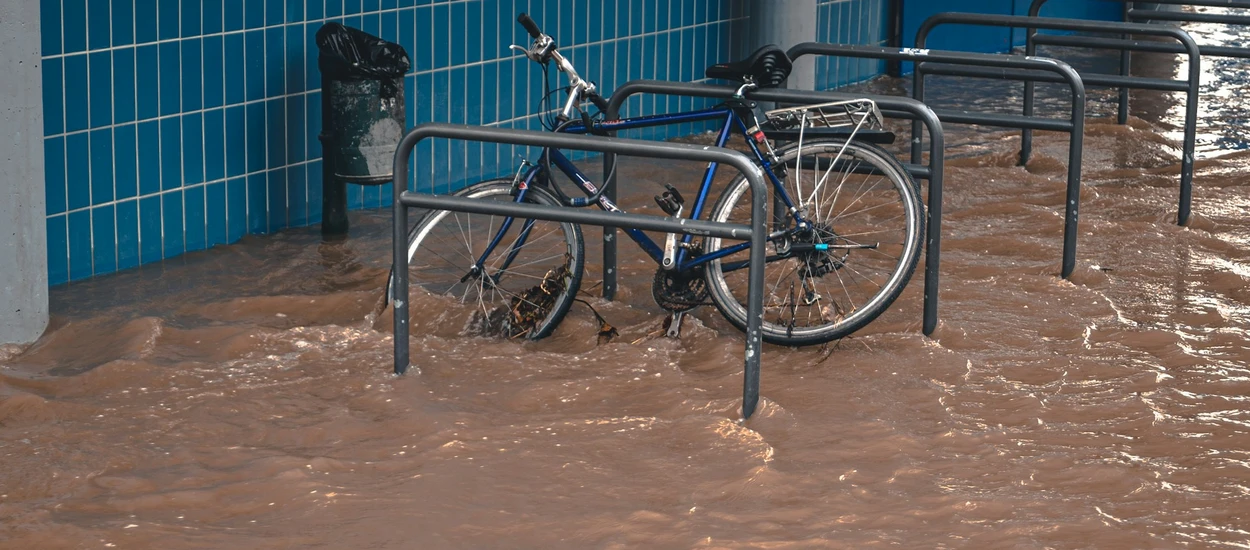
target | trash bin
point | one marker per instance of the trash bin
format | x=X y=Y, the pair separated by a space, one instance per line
x=362 y=114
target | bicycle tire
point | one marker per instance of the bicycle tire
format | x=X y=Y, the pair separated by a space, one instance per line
x=520 y=277
x=842 y=222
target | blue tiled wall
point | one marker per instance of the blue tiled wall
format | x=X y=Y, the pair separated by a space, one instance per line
x=177 y=125
x=850 y=22
x=977 y=38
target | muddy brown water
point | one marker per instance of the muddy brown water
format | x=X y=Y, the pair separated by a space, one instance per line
x=242 y=397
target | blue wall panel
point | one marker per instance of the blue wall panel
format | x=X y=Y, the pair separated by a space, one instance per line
x=972 y=38
x=176 y=125
x=850 y=22
x=958 y=37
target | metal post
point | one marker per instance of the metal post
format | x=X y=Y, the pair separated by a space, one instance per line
x=1026 y=134
x=609 y=232
x=1190 y=141
x=1125 y=68
x=894 y=68
x=399 y=250
x=757 y=231
x=333 y=190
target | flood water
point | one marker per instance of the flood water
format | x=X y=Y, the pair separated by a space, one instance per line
x=242 y=397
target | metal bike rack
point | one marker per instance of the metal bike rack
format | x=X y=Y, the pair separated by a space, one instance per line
x=1004 y=67
x=1133 y=13
x=757 y=231
x=890 y=106
x=1137 y=15
x=1189 y=85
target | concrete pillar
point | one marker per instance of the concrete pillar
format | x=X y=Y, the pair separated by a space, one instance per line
x=23 y=229
x=786 y=23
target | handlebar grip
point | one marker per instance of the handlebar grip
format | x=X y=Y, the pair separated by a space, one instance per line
x=529 y=25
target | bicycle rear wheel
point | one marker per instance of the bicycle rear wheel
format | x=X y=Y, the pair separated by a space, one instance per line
x=827 y=281
x=527 y=282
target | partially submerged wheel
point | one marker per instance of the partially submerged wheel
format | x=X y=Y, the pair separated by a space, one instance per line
x=827 y=280
x=523 y=287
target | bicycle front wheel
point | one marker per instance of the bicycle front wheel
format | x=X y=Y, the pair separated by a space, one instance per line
x=826 y=281
x=521 y=275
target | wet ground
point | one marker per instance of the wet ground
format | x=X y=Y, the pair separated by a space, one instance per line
x=242 y=397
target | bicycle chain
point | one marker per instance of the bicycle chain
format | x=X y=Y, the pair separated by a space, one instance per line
x=679 y=291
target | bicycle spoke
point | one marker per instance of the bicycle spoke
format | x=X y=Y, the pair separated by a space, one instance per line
x=856 y=199
x=521 y=260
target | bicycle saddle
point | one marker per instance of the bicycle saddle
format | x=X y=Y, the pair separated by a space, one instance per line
x=768 y=67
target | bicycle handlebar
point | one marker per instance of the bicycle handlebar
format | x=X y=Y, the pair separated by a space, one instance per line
x=543 y=50
x=529 y=24
x=599 y=101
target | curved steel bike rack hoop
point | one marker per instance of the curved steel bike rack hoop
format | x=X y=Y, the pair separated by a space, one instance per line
x=1032 y=24
x=891 y=107
x=1007 y=67
x=1135 y=14
x=757 y=231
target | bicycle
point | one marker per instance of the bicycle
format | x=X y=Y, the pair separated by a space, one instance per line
x=855 y=230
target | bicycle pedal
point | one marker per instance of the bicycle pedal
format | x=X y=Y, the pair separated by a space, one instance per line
x=671 y=201
x=672 y=328
x=667 y=204
x=672 y=191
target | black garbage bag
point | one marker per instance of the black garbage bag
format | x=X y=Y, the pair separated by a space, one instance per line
x=352 y=54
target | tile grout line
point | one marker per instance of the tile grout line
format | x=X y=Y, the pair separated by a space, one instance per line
x=182 y=149
x=225 y=185
x=308 y=92
x=113 y=137
x=162 y=192
x=134 y=24
x=90 y=168
x=65 y=146
x=160 y=205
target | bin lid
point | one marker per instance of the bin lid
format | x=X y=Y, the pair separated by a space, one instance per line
x=352 y=54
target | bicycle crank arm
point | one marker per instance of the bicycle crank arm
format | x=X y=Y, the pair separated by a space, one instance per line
x=670 y=246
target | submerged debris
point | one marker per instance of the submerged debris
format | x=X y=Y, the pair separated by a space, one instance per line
x=534 y=305
x=606 y=331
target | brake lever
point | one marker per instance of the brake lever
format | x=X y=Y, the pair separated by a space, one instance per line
x=539 y=52
x=524 y=51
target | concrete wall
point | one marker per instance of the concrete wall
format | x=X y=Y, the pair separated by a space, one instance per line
x=787 y=23
x=23 y=242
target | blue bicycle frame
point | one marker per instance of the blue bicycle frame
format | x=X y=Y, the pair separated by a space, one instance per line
x=683 y=261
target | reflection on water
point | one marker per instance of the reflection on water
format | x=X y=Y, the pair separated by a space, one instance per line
x=240 y=397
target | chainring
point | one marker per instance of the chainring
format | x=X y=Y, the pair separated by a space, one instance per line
x=679 y=291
